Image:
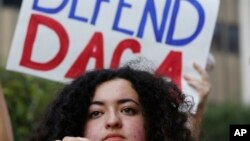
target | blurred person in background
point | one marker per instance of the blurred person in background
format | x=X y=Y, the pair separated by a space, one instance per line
x=5 y=124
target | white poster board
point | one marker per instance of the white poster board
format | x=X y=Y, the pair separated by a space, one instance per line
x=60 y=39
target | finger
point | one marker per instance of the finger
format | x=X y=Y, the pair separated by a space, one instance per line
x=67 y=139
x=194 y=83
x=70 y=139
x=187 y=77
x=82 y=139
x=200 y=70
x=191 y=78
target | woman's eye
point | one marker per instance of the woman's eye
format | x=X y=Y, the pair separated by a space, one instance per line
x=95 y=114
x=129 y=111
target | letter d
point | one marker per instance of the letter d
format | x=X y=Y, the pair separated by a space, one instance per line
x=35 y=21
x=49 y=10
x=201 y=15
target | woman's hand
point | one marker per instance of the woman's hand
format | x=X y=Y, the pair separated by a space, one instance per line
x=202 y=86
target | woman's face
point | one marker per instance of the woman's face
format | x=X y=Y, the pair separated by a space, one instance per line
x=115 y=113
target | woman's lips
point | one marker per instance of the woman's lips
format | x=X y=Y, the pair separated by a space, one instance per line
x=114 y=137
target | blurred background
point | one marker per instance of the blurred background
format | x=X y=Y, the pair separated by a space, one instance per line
x=27 y=96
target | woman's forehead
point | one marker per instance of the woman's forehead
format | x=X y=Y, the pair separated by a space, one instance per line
x=115 y=89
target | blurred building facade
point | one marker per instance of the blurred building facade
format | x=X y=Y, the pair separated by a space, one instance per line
x=226 y=81
x=225 y=78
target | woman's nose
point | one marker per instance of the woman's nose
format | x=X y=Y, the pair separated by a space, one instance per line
x=113 y=120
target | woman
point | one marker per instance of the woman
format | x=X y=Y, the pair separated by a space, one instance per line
x=123 y=104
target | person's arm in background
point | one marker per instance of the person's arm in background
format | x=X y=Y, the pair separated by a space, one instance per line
x=5 y=123
x=202 y=87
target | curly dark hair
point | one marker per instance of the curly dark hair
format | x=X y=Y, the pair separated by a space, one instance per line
x=161 y=100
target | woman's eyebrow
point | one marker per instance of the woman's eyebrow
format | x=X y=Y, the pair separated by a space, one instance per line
x=97 y=103
x=121 y=101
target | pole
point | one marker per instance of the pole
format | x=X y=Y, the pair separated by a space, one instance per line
x=1 y=36
x=244 y=26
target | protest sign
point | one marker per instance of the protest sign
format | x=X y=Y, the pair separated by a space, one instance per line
x=61 y=39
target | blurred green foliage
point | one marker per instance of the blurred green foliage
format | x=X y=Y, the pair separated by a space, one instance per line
x=218 y=118
x=27 y=96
